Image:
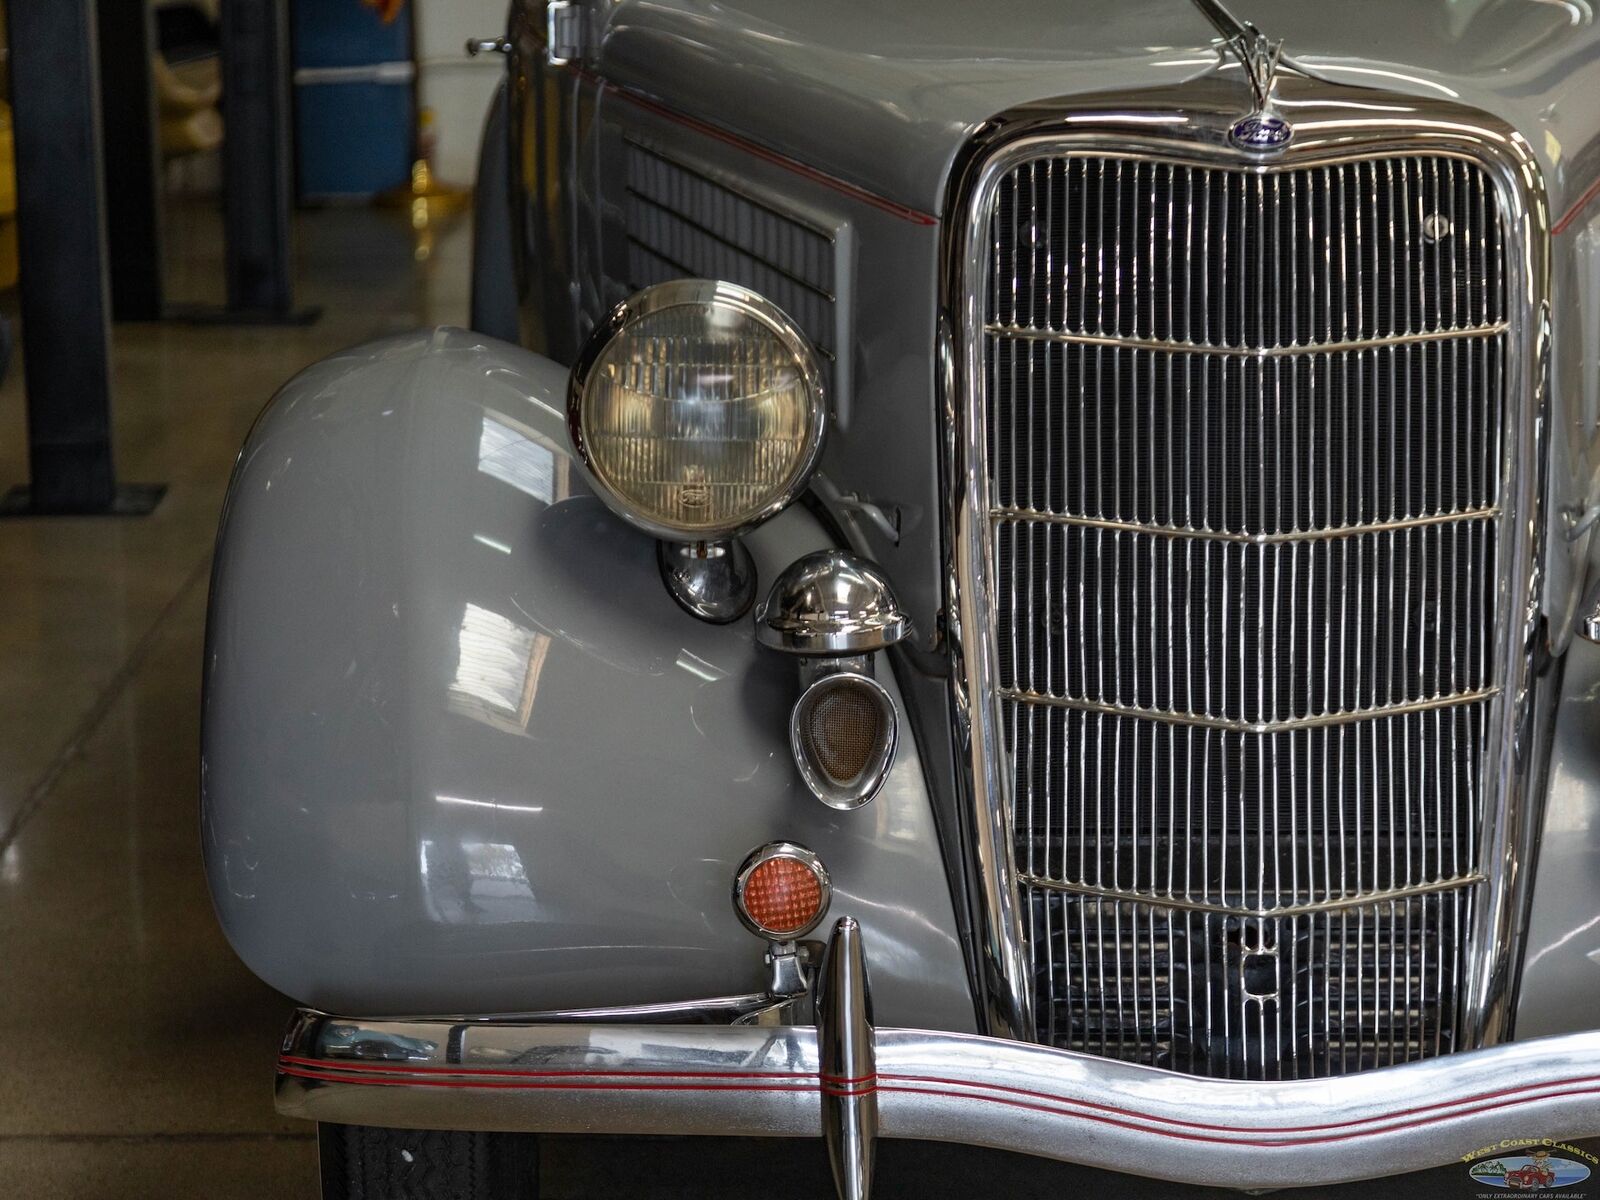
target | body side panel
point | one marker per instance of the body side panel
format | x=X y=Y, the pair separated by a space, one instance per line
x=884 y=446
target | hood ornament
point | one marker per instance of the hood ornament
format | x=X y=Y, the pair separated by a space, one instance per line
x=1262 y=130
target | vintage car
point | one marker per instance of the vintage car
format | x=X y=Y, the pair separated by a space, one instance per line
x=1075 y=515
x=1531 y=1176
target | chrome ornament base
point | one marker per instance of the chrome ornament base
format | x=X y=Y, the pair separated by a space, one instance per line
x=847 y=1082
x=714 y=581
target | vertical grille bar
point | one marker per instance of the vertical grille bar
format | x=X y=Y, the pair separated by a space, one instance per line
x=1244 y=431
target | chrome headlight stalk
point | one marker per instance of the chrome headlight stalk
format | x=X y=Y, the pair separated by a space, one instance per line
x=833 y=611
x=696 y=410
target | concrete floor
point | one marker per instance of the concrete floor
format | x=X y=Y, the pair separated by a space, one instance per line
x=136 y=1052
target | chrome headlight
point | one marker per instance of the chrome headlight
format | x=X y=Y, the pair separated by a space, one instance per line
x=697 y=410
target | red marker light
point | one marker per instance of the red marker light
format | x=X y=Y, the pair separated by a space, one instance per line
x=781 y=891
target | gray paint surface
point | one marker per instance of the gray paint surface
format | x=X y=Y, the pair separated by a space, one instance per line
x=885 y=444
x=883 y=95
x=1561 y=960
x=463 y=753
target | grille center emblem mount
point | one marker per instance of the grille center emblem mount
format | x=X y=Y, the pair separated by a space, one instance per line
x=1262 y=130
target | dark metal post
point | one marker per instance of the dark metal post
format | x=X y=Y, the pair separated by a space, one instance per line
x=64 y=292
x=60 y=194
x=55 y=91
x=132 y=146
x=255 y=157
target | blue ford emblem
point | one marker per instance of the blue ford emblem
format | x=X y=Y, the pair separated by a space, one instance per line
x=1260 y=132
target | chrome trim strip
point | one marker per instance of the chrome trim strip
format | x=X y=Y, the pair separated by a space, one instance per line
x=1247 y=539
x=1187 y=125
x=1319 y=721
x=1028 y=1099
x=1125 y=343
x=718 y=1010
x=1005 y=996
x=1155 y=900
x=744 y=1009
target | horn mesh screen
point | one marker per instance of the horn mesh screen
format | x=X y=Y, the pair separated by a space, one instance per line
x=844 y=729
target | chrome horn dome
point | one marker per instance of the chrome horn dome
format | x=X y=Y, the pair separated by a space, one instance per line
x=831 y=602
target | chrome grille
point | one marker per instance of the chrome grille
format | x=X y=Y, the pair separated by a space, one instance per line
x=1244 y=445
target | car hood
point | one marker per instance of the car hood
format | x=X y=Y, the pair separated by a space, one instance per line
x=883 y=93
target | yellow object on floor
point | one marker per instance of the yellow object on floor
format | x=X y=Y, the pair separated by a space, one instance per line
x=432 y=201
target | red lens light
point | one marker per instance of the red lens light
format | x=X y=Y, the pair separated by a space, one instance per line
x=782 y=896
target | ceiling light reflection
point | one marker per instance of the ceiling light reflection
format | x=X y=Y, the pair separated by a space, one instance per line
x=494 y=804
x=475 y=883
x=699 y=667
x=512 y=456
x=497 y=669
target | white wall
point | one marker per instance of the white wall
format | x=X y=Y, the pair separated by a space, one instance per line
x=455 y=87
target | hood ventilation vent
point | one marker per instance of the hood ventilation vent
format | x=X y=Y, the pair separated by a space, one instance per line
x=682 y=223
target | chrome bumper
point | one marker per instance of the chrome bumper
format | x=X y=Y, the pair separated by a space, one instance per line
x=849 y=1083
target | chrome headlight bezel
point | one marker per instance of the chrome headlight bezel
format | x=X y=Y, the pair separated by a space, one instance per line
x=679 y=293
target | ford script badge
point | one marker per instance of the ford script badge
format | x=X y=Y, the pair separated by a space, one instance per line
x=1260 y=132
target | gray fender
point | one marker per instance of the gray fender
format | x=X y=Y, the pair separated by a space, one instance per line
x=463 y=754
x=1561 y=951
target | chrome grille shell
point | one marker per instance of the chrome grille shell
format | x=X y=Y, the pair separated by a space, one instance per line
x=1107 y=960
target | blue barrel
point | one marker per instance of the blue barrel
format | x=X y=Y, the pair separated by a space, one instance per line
x=355 y=99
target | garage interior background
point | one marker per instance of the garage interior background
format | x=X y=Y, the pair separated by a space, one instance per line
x=135 y=1050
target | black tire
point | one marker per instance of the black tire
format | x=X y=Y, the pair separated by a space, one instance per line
x=360 y=1162
x=495 y=310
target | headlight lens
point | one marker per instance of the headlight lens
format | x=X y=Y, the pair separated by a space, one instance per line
x=697 y=409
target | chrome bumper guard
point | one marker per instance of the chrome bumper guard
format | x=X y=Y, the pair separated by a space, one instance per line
x=848 y=1082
